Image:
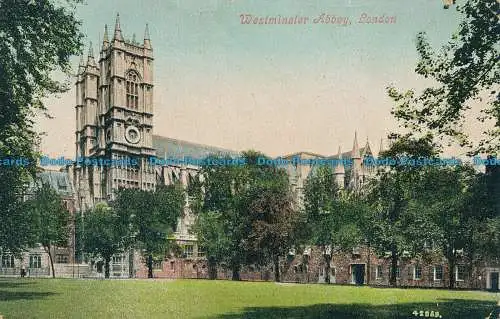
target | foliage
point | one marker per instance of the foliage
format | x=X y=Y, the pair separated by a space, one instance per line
x=209 y=228
x=51 y=220
x=150 y=217
x=394 y=223
x=466 y=70
x=103 y=234
x=250 y=207
x=269 y=206
x=333 y=215
x=217 y=190
x=455 y=205
x=37 y=39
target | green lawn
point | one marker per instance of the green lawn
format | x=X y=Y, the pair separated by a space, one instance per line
x=66 y=298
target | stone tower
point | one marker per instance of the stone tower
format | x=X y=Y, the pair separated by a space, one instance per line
x=114 y=115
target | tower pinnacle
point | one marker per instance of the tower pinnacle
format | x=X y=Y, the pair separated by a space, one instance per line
x=105 y=40
x=90 y=56
x=147 y=39
x=355 y=147
x=339 y=168
x=118 y=31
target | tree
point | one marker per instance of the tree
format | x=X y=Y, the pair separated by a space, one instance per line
x=333 y=215
x=104 y=235
x=37 y=39
x=269 y=205
x=51 y=220
x=465 y=70
x=209 y=228
x=455 y=204
x=390 y=223
x=320 y=201
x=150 y=218
x=217 y=189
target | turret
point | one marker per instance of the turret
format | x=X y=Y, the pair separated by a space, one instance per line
x=90 y=57
x=81 y=65
x=118 y=31
x=356 y=172
x=381 y=148
x=147 y=39
x=339 y=171
x=105 y=40
x=367 y=152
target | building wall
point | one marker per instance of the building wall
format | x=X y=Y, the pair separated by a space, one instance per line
x=310 y=268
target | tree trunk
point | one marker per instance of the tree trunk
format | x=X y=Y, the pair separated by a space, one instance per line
x=150 y=266
x=131 y=273
x=451 y=272
x=277 y=277
x=212 y=268
x=107 y=261
x=236 y=271
x=47 y=248
x=394 y=266
x=327 y=268
x=368 y=265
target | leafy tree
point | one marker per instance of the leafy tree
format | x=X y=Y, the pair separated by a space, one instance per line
x=103 y=234
x=150 y=218
x=268 y=204
x=333 y=215
x=465 y=70
x=79 y=238
x=51 y=220
x=218 y=189
x=321 y=195
x=238 y=200
x=37 y=39
x=209 y=228
x=391 y=221
x=454 y=202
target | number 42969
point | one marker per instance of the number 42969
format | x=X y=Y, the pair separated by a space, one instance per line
x=426 y=313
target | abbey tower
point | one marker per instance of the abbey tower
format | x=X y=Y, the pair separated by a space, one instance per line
x=114 y=118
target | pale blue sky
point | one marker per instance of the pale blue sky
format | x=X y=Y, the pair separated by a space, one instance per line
x=275 y=88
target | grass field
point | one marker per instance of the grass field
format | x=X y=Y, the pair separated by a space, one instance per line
x=66 y=298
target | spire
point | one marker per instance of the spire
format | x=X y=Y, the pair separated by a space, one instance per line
x=81 y=65
x=367 y=150
x=118 y=31
x=339 y=168
x=105 y=40
x=147 y=39
x=91 y=51
x=90 y=56
x=355 y=147
x=381 y=149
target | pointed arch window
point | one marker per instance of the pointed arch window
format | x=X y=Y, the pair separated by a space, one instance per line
x=132 y=90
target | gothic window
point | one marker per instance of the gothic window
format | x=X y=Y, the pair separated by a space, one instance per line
x=132 y=90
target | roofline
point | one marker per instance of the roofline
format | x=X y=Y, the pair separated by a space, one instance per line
x=196 y=144
x=308 y=153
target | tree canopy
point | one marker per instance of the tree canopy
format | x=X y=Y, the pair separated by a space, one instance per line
x=37 y=40
x=464 y=71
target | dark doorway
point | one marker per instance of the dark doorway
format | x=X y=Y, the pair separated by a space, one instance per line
x=358 y=273
x=494 y=281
